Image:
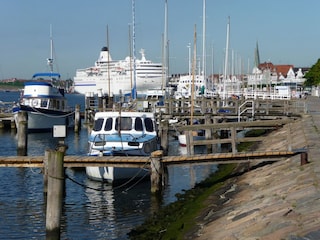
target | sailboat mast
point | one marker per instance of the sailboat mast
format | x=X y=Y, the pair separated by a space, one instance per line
x=194 y=62
x=50 y=60
x=134 y=90
x=204 y=41
x=166 y=47
x=109 y=92
x=226 y=58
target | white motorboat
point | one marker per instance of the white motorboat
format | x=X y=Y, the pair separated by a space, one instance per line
x=44 y=102
x=45 y=105
x=121 y=134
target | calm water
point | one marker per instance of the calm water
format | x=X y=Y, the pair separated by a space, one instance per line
x=106 y=213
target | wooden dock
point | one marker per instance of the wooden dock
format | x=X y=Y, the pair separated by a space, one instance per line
x=133 y=161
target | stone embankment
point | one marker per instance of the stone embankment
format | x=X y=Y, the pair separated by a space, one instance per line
x=275 y=201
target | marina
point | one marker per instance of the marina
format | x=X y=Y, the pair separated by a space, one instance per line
x=206 y=158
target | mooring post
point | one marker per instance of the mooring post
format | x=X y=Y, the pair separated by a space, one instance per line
x=45 y=172
x=77 y=119
x=304 y=158
x=156 y=171
x=22 y=134
x=233 y=139
x=208 y=132
x=164 y=127
x=55 y=193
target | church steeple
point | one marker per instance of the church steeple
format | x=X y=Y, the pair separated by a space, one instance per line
x=256 y=56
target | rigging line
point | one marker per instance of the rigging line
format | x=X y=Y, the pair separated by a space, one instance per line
x=85 y=186
x=59 y=116
x=133 y=177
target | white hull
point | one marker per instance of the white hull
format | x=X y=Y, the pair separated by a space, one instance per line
x=41 y=122
x=108 y=76
x=111 y=174
x=182 y=138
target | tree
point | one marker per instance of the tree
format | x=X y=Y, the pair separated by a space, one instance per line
x=313 y=75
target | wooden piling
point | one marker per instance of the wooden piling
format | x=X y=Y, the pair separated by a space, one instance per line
x=156 y=171
x=77 y=119
x=55 y=193
x=45 y=172
x=22 y=134
x=164 y=128
x=208 y=132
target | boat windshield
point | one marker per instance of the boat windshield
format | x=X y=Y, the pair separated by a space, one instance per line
x=108 y=125
x=149 y=124
x=125 y=123
x=138 y=124
x=98 y=124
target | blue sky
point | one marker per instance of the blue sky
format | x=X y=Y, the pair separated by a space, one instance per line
x=287 y=32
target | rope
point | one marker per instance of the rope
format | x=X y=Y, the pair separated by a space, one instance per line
x=117 y=187
x=48 y=115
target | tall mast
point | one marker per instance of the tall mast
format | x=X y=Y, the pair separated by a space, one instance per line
x=204 y=41
x=194 y=62
x=109 y=92
x=226 y=59
x=50 y=60
x=166 y=47
x=134 y=90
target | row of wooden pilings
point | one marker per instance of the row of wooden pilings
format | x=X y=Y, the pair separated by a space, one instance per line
x=54 y=176
x=22 y=130
x=54 y=186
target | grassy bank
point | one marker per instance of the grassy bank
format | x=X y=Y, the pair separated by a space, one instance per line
x=174 y=220
x=178 y=220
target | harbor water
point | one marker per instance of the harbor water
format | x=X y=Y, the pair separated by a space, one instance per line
x=91 y=210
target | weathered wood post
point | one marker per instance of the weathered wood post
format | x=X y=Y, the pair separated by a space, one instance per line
x=156 y=171
x=55 y=192
x=288 y=126
x=22 y=134
x=164 y=128
x=234 y=139
x=89 y=101
x=77 y=119
x=45 y=173
x=208 y=132
x=189 y=142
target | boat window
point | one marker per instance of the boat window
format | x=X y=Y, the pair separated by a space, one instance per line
x=138 y=124
x=108 y=125
x=44 y=103
x=98 y=124
x=124 y=122
x=149 y=124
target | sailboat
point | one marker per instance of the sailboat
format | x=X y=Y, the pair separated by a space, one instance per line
x=182 y=138
x=195 y=89
x=44 y=101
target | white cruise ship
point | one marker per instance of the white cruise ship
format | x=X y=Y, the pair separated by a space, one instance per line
x=111 y=77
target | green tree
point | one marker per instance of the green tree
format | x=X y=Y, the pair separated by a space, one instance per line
x=313 y=75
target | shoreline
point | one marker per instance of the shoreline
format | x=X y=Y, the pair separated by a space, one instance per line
x=275 y=201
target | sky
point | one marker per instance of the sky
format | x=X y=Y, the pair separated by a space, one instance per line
x=287 y=32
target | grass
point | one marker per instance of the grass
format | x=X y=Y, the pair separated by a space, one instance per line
x=174 y=220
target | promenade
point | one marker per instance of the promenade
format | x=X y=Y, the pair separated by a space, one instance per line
x=275 y=201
